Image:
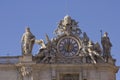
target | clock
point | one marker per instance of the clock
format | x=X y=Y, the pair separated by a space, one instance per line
x=68 y=46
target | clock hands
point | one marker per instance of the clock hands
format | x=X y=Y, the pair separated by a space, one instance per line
x=68 y=46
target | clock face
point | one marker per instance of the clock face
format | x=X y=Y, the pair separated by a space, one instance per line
x=68 y=46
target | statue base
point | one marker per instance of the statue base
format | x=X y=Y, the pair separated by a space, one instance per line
x=26 y=58
x=111 y=61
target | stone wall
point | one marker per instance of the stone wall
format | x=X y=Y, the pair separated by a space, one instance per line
x=8 y=72
x=57 y=71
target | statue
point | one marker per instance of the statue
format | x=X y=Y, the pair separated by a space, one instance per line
x=47 y=52
x=43 y=45
x=41 y=42
x=68 y=26
x=106 y=44
x=85 y=39
x=90 y=49
x=28 y=40
x=94 y=51
x=67 y=20
x=97 y=48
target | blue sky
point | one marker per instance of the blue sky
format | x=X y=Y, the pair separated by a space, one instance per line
x=43 y=15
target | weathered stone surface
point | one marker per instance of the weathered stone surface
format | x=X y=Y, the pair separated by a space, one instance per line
x=70 y=55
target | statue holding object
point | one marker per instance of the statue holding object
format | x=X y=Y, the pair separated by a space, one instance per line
x=106 y=44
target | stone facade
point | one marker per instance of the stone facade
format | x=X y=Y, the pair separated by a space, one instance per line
x=86 y=71
x=70 y=55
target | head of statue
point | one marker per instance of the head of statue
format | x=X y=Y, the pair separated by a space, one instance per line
x=27 y=29
x=67 y=19
x=105 y=34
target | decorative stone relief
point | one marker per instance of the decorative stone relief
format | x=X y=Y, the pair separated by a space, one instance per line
x=64 y=42
x=68 y=26
x=25 y=72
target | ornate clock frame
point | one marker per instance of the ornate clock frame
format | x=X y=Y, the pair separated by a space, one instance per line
x=68 y=46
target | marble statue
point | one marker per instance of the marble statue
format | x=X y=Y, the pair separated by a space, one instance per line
x=28 y=40
x=41 y=42
x=106 y=44
x=47 y=52
x=67 y=20
x=91 y=51
x=85 y=38
x=94 y=50
x=97 y=48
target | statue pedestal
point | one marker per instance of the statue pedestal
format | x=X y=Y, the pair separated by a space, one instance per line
x=25 y=65
x=26 y=58
x=111 y=61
